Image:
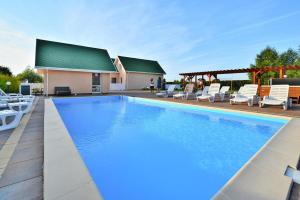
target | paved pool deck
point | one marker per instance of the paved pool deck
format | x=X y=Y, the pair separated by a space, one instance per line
x=23 y=177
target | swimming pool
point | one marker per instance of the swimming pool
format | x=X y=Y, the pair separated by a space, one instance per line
x=144 y=149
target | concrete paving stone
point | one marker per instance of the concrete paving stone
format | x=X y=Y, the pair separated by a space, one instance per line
x=34 y=129
x=30 y=137
x=86 y=191
x=221 y=196
x=21 y=171
x=273 y=161
x=285 y=146
x=25 y=190
x=4 y=162
x=28 y=153
x=33 y=134
x=291 y=131
x=258 y=183
x=7 y=150
x=64 y=176
x=4 y=135
x=23 y=144
x=35 y=122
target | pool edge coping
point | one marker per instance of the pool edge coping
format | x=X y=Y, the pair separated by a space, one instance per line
x=60 y=153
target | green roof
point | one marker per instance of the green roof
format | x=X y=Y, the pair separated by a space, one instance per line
x=141 y=65
x=73 y=57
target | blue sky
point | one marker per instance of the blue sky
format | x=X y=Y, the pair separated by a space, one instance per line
x=183 y=36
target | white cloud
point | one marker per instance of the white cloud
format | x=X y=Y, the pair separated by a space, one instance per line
x=262 y=23
x=16 y=49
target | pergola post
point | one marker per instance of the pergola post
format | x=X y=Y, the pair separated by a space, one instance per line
x=183 y=82
x=196 y=81
x=209 y=77
x=258 y=83
x=253 y=77
x=281 y=73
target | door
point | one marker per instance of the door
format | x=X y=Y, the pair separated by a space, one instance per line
x=96 y=87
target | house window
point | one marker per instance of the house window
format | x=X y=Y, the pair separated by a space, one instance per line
x=113 y=80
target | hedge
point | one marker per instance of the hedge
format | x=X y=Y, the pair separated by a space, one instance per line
x=14 y=87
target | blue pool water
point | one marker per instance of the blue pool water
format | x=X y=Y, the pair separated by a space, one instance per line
x=142 y=149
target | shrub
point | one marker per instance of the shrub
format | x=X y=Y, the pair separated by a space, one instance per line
x=30 y=75
x=14 y=87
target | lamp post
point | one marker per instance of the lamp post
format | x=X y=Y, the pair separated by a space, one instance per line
x=8 y=83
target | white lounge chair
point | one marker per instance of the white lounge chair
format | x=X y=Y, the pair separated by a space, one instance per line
x=202 y=92
x=247 y=95
x=214 y=89
x=22 y=107
x=3 y=104
x=5 y=125
x=224 y=93
x=279 y=95
x=15 y=97
x=167 y=93
x=238 y=92
x=185 y=94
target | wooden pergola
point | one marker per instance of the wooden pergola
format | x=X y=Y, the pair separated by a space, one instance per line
x=256 y=72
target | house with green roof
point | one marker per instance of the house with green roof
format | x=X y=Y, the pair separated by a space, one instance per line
x=91 y=70
x=136 y=73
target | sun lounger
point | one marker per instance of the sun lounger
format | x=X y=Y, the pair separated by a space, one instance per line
x=3 y=105
x=167 y=93
x=222 y=95
x=247 y=95
x=15 y=97
x=22 y=107
x=185 y=94
x=214 y=89
x=279 y=95
x=202 y=92
x=6 y=124
x=238 y=92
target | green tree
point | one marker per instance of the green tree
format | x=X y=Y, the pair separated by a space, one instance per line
x=5 y=71
x=266 y=58
x=290 y=57
x=30 y=75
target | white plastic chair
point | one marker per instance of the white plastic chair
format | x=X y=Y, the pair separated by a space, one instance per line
x=15 y=97
x=247 y=95
x=4 y=114
x=214 y=88
x=188 y=90
x=238 y=92
x=224 y=92
x=279 y=95
x=167 y=93
x=22 y=107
